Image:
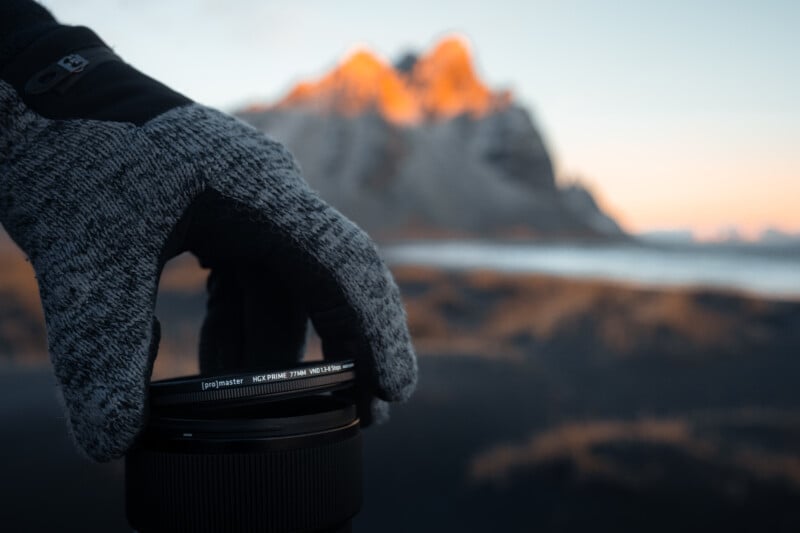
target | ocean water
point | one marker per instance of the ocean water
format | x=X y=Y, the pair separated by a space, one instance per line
x=760 y=271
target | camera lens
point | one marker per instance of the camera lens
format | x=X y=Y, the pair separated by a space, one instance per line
x=288 y=459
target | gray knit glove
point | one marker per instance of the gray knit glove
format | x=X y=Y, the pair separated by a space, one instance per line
x=100 y=205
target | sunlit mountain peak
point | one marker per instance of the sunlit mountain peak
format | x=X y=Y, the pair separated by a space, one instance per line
x=362 y=61
x=440 y=84
x=446 y=83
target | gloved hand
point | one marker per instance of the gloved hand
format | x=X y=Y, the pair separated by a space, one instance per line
x=106 y=174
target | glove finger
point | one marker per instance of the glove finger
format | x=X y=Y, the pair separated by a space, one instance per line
x=103 y=338
x=353 y=300
x=371 y=410
x=350 y=295
x=252 y=323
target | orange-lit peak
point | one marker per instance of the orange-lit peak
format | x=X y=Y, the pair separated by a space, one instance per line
x=447 y=84
x=441 y=84
x=362 y=62
x=452 y=50
x=361 y=82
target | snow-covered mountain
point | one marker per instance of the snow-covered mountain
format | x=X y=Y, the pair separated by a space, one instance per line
x=424 y=148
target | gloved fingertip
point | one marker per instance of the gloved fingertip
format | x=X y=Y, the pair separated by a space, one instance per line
x=380 y=411
x=105 y=423
x=397 y=378
x=106 y=404
x=373 y=411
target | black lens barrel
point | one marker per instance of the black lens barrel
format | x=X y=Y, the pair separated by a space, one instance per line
x=291 y=465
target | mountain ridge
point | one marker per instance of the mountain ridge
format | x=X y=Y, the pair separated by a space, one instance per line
x=425 y=149
x=438 y=85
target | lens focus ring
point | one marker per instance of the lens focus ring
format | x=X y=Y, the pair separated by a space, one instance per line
x=270 y=488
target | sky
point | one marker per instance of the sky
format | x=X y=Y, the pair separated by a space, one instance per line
x=679 y=114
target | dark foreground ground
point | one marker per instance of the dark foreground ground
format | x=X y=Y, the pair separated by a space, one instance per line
x=481 y=447
x=543 y=405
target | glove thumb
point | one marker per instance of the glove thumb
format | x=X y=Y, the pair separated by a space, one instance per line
x=103 y=338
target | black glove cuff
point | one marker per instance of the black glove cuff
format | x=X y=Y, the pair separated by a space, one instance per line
x=21 y=23
x=105 y=88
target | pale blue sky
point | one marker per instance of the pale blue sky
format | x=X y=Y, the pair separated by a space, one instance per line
x=680 y=113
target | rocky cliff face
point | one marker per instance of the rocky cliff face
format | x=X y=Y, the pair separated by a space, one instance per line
x=426 y=149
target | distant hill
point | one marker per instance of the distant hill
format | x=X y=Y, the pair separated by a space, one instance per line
x=425 y=148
